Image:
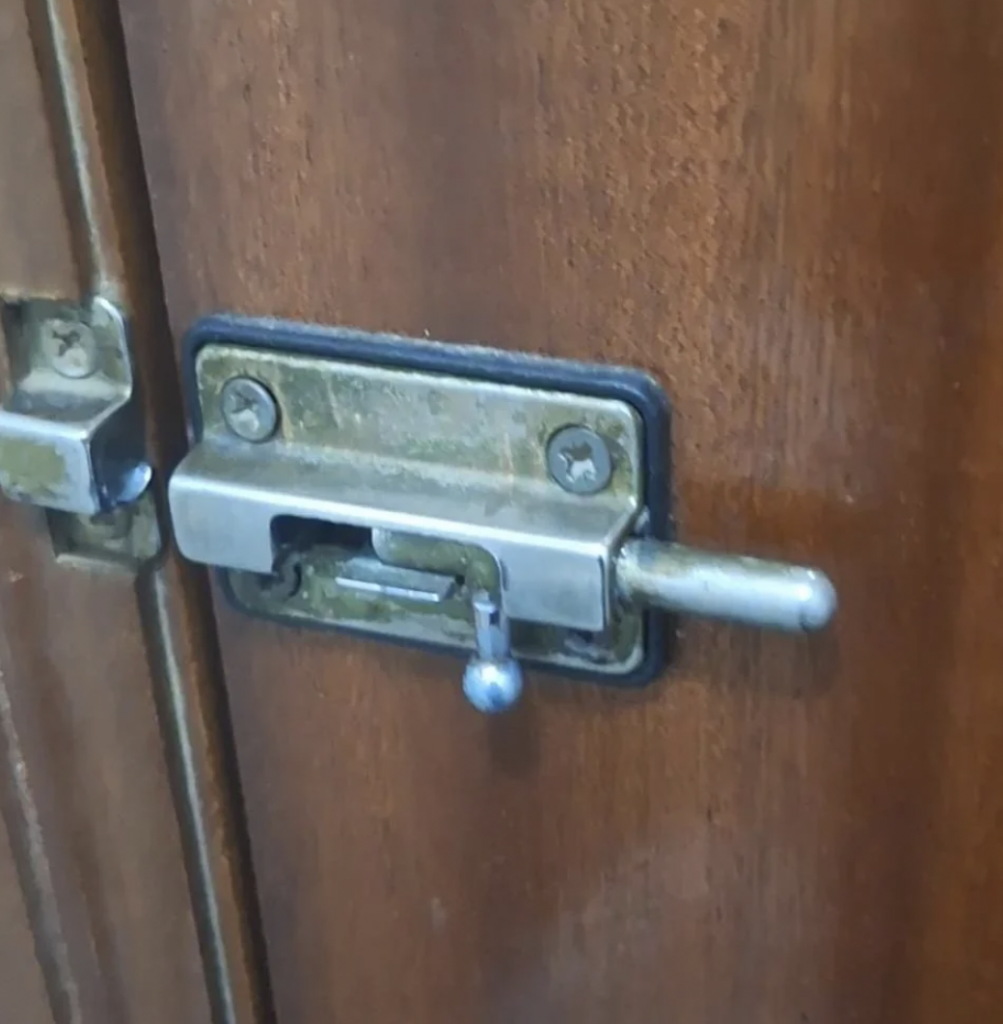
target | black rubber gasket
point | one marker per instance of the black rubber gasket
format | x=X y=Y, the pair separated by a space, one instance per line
x=472 y=362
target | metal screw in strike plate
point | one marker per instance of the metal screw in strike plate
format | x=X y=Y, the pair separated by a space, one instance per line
x=70 y=348
x=249 y=409
x=579 y=460
x=492 y=680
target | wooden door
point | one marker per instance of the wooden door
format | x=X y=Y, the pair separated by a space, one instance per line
x=786 y=210
x=108 y=723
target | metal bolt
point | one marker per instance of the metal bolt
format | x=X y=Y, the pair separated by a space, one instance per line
x=249 y=409
x=579 y=460
x=70 y=347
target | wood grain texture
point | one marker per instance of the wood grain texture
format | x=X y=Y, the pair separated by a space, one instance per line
x=37 y=255
x=787 y=210
x=88 y=797
x=171 y=598
x=21 y=980
x=93 y=664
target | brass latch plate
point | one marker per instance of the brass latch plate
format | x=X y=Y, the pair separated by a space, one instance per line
x=373 y=484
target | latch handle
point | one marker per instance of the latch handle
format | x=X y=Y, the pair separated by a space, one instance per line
x=754 y=591
x=492 y=680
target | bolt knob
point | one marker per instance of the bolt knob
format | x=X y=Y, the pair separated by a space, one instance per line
x=492 y=680
x=492 y=686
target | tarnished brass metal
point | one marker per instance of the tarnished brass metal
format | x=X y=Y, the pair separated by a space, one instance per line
x=70 y=432
x=442 y=481
x=71 y=437
x=126 y=537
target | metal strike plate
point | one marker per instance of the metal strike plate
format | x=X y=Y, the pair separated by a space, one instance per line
x=71 y=439
x=382 y=499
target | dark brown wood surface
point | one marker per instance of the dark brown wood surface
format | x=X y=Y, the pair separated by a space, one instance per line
x=788 y=211
x=36 y=250
x=21 y=979
x=99 y=670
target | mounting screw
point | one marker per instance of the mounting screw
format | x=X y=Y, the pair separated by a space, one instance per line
x=249 y=409
x=579 y=460
x=70 y=347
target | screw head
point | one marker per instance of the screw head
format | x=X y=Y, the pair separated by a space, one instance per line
x=579 y=460
x=249 y=409
x=70 y=347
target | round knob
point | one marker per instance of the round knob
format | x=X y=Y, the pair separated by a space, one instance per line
x=492 y=680
x=492 y=686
